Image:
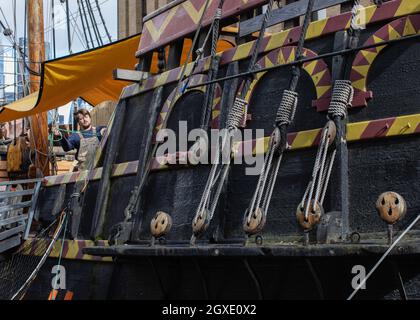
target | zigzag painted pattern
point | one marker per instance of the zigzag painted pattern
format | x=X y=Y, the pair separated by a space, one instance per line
x=382 y=128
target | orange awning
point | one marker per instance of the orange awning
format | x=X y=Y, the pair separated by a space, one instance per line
x=87 y=75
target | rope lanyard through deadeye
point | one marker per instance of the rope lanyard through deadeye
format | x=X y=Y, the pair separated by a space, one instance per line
x=220 y=169
x=256 y=214
x=333 y=135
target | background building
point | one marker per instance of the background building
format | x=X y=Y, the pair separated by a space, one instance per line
x=131 y=13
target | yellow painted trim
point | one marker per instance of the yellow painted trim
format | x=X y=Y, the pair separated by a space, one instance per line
x=404 y=125
x=73 y=250
x=279 y=39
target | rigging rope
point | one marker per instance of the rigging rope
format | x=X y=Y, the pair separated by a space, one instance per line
x=256 y=214
x=376 y=266
x=84 y=15
x=214 y=66
x=212 y=74
x=68 y=26
x=93 y=20
x=149 y=152
x=103 y=21
x=83 y=24
x=76 y=29
x=18 y=272
x=22 y=290
x=60 y=256
x=333 y=135
x=220 y=169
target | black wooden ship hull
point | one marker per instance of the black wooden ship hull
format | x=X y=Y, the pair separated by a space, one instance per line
x=381 y=154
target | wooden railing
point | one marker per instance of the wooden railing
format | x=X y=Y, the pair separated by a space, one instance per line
x=17 y=208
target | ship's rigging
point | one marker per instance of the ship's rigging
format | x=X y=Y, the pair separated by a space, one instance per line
x=19 y=271
x=256 y=214
x=331 y=144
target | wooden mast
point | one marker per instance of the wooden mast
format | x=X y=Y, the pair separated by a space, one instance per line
x=39 y=122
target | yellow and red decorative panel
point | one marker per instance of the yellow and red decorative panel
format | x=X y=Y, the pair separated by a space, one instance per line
x=364 y=60
x=180 y=20
x=388 y=10
x=382 y=128
x=318 y=71
x=169 y=103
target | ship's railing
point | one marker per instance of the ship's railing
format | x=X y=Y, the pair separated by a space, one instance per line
x=17 y=210
x=240 y=23
x=288 y=14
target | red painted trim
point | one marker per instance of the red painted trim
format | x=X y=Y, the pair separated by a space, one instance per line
x=322 y=104
x=361 y=99
x=231 y=8
x=334 y=24
x=377 y=128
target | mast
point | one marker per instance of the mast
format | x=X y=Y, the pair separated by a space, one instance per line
x=39 y=122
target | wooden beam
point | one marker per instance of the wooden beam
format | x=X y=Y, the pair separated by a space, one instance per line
x=294 y=22
x=228 y=98
x=31 y=212
x=129 y=75
x=246 y=37
x=39 y=122
x=289 y=12
x=12 y=194
x=145 y=62
x=110 y=157
x=339 y=193
x=10 y=243
x=146 y=148
x=8 y=233
x=175 y=54
x=18 y=218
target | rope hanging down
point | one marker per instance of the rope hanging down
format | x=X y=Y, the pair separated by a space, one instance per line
x=333 y=135
x=18 y=272
x=256 y=214
x=122 y=231
x=22 y=268
x=214 y=67
x=221 y=166
x=383 y=257
x=212 y=74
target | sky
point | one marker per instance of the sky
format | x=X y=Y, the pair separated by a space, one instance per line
x=108 y=7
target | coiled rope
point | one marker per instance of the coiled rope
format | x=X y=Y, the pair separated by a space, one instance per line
x=287 y=109
x=341 y=99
